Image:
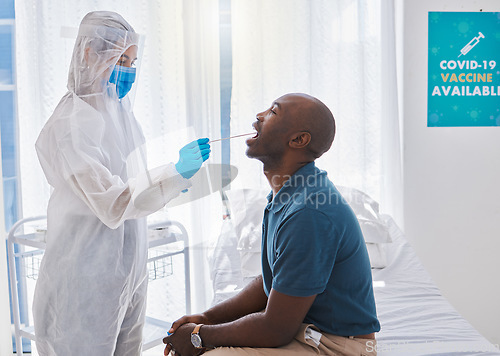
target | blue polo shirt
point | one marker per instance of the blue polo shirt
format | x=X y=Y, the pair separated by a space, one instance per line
x=312 y=244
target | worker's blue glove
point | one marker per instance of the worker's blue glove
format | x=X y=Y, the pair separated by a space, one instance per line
x=192 y=156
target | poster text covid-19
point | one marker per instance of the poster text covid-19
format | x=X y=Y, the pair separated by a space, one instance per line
x=464 y=69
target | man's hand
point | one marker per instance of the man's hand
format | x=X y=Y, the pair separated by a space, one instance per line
x=252 y=299
x=196 y=318
x=180 y=341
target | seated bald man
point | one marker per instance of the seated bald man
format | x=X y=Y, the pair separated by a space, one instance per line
x=315 y=293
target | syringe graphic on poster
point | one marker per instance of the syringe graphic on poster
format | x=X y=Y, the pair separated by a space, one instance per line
x=471 y=44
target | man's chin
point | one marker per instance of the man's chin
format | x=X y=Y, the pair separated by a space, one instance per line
x=251 y=154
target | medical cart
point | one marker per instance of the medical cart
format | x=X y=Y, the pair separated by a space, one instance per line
x=166 y=239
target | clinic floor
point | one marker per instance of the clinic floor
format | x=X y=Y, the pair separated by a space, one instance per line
x=166 y=299
x=155 y=351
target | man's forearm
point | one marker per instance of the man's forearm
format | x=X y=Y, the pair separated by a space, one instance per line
x=250 y=300
x=253 y=330
x=250 y=319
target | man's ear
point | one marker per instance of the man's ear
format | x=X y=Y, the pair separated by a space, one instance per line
x=300 y=139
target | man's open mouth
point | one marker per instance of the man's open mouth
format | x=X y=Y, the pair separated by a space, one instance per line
x=254 y=125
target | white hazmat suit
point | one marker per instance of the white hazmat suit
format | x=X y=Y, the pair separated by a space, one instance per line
x=91 y=292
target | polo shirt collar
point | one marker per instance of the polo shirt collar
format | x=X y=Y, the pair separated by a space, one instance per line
x=289 y=187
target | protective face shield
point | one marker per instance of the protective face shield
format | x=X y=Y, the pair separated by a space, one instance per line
x=104 y=73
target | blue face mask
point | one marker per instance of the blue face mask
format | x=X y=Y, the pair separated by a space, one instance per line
x=123 y=78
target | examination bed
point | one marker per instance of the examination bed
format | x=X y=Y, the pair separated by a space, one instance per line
x=415 y=317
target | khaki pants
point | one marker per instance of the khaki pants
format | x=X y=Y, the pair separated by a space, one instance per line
x=330 y=345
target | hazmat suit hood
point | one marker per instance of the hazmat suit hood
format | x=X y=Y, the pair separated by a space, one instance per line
x=103 y=37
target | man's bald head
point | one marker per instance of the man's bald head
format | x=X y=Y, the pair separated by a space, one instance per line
x=308 y=114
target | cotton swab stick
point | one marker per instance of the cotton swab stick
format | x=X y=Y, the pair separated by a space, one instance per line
x=227 y=138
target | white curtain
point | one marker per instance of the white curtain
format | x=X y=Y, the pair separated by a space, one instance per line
x=177 y=96
x=341 y=52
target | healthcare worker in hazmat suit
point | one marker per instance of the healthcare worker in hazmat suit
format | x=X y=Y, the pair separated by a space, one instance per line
x=90 y=296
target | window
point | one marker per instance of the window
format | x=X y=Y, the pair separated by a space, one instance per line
x=225 y=84
x=9 y=132
x=8 y=113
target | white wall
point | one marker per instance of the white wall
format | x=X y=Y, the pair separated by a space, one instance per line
x=452 y=190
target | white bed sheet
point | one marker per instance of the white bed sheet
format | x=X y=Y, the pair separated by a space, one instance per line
x=415 y=318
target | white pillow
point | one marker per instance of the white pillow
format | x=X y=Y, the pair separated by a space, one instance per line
x=377 y=255
x=366 y=209
x=375 y=230
x=247 y=211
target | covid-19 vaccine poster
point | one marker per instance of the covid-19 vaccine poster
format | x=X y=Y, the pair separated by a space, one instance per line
x=464 y=69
